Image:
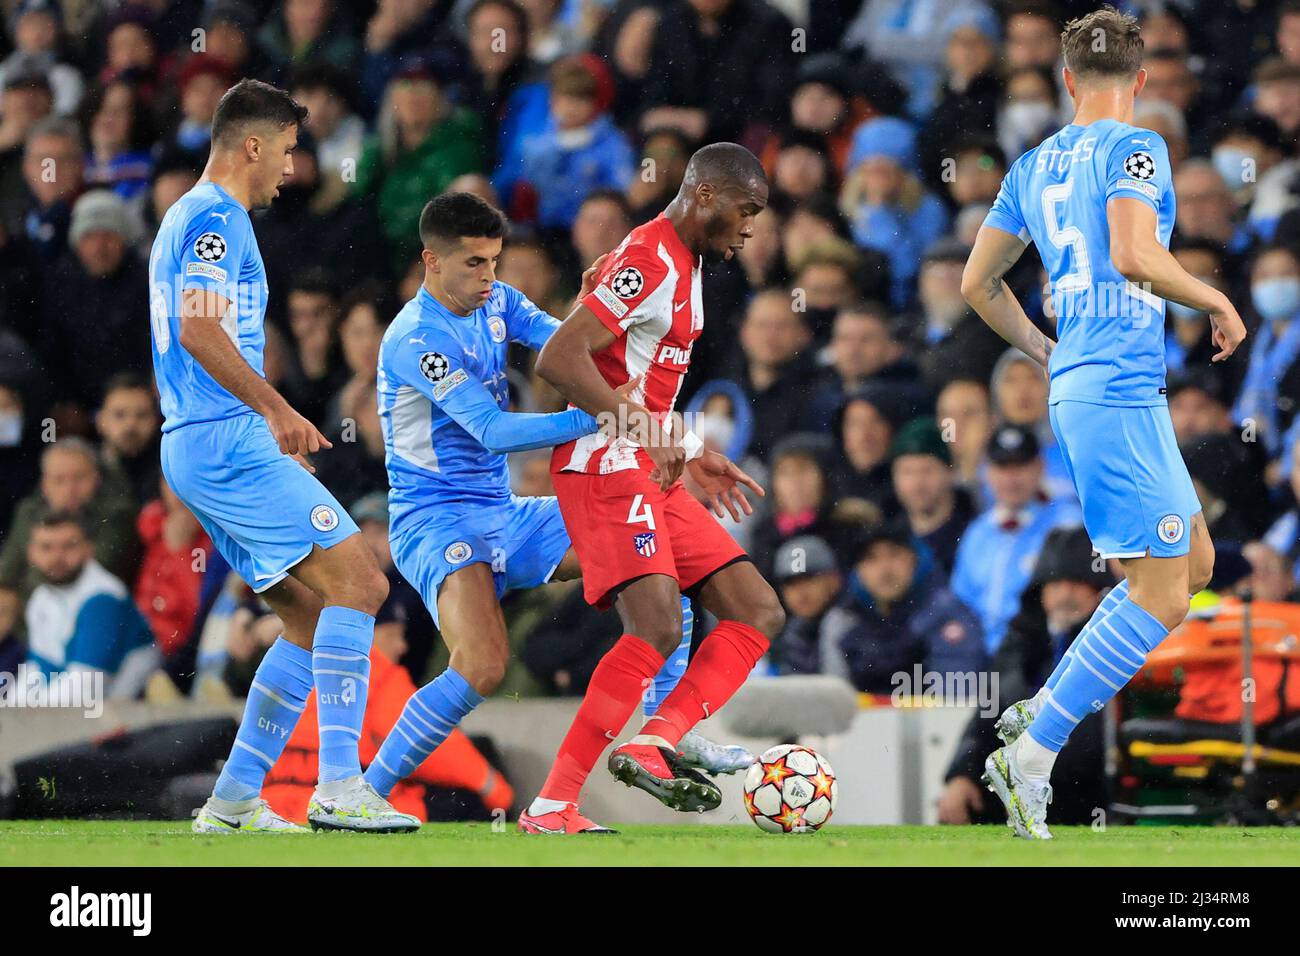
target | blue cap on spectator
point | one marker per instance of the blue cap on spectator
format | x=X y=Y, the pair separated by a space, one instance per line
x=886 y=136
x=980 y=18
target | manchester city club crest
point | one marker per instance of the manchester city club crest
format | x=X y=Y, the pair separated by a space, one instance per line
x=1170 y=529
x=324 y=518
x=457 y=553
x=645 y=543
x=497 y=329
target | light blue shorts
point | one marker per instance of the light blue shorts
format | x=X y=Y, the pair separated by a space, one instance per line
x=262 y=509
x=523 y=539
x=1124 y=461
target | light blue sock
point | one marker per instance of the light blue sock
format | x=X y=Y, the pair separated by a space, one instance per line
x=1118 y=593
x=428 y=717
x=340 y=662
x=275 y=702
x=1104 y=661
x=674 y=667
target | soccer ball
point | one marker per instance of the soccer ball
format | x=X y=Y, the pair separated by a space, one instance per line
x=790 y=789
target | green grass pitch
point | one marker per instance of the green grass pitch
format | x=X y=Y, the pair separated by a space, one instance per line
x=79 y=843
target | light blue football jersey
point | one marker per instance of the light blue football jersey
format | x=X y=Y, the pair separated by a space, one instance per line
x=1110 y=332
x=205 y=241
x=435 y=364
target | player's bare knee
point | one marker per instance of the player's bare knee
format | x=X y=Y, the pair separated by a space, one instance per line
x=1167 y=605
x=485 y=675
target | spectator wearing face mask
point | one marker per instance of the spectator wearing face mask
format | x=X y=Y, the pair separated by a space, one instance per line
x=1275 y=297
x=1029 y=112
x=1250 y=154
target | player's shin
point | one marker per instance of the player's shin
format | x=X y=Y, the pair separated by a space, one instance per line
x=428 y=717
x=341 y=668
x=725 y=659
x=612 y=695
x=1104 y=661
x=1116 y=594
x=275 y=701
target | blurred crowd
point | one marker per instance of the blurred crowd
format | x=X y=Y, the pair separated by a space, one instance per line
x=918 y=510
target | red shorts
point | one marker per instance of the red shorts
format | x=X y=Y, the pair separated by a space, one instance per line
x=623 y=527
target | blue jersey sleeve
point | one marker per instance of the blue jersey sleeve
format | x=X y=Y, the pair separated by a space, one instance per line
x=214 y=246
x=1005 y=214
x=437 y=368
x=1138 y=168
x=525 y=322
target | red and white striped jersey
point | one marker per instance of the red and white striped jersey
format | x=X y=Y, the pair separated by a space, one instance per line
x=648 y=294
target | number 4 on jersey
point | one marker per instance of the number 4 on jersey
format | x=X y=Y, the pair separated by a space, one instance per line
x=640 y=513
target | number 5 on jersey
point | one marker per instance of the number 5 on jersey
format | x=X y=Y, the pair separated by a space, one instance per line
x=640 y=513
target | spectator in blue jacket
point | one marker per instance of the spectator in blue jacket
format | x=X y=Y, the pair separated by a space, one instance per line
x=891 y=211
x=897 y=612
x=80 y=617
x=582 y=150
x=997 y=553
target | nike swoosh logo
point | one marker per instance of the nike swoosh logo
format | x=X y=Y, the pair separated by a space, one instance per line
x=610 y=735
x=679 y=306
x=538 y=826
x=233 y=824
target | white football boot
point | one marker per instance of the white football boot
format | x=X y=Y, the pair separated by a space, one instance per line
x=1015 y=720
x=1025 y=800
x=353 y=804
x=699 y=752
x=258 y=818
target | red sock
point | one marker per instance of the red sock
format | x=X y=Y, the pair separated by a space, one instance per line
x=614 y=692
x=717 y=670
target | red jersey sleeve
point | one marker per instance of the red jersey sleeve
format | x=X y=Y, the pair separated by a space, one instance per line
x=626 y=282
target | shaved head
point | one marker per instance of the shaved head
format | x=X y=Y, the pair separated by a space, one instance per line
x=723 y=189
x=724 y=166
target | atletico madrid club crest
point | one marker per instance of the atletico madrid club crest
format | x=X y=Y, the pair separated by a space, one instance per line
x=645 y=543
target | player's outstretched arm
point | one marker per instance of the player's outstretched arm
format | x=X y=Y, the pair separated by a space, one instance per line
x=985 y=289
x=566 y=363
x=204 y=338
x=1140 y=258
